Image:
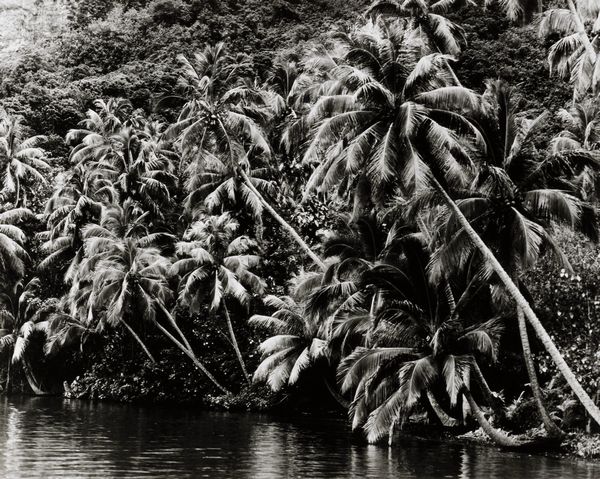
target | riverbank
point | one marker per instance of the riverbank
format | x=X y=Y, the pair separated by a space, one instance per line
x=575 y=446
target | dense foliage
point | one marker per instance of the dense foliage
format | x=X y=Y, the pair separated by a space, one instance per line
x=367 y=205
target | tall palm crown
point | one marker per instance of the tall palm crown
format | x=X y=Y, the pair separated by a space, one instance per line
x=93 y=139
x=423 y=344
x=21 y=159
x=131 y=279
x=371 y=127
x=219 y=132
x=214 y=111
x=216 y=263
x=21 y=318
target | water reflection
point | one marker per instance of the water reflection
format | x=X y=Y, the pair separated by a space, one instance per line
x=44 y=437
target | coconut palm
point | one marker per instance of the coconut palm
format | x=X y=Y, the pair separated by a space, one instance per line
x=21 y=159
x=511 y=206
x=19 y=305
x=221 y=115
x=368 y=136
x=576 y=147
x=424 y=344
x=93 y=139
x=426 y=20
x=299 y=342
x=75 y=203
x=130 y=280
x=216 y=266
x=13 y=255
x=575 y=54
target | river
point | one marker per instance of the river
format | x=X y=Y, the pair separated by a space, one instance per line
x=56 y=438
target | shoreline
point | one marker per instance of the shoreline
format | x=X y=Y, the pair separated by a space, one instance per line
x=573 y=447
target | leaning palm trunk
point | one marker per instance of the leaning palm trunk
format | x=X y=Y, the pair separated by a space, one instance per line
x=187 y=348
x=235 y=345
x=285 y=225
x=522 y=303
x=495 y=435
x=139 y=341
x=551 y=428
x=582 y=31
x=492 y=399
x=444 y=418
x=190 y=354
x=33 y=384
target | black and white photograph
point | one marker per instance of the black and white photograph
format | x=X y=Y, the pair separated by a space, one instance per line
x=304 y=239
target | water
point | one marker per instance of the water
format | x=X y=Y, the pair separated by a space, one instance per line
x=51 y=437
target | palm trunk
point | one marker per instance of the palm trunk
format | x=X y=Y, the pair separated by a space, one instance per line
x=582 y=32
x=285 y=225
x=493 y=400
x=139 y=341
x=522 y=303
x=495 y=435
x=444 y=418
x=7 y=389
x=190 y=354
x=32 y=381
x=235 y=345
x=336 y=395
x=551 y=428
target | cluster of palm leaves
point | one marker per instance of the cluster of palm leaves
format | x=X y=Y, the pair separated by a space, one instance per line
x=447 y=200
x=461 y=203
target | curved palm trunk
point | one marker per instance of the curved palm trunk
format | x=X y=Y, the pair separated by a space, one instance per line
x=33 y=384
x=285 y=225
x=493 y=400
x=335 y=394
x=522 y=303
x=444 y=418
x=551 y=428
x=495 y=435
x=190 y=354
x=139 y=341
x=235 y=345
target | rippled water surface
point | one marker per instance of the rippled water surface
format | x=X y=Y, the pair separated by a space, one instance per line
x=44 y=437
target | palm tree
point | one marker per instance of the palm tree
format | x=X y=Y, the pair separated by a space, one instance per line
x=20 y=318
x=13 y=255
x=299 y=341
x=424 y=344
x=216 y=265
x=576 y=146
x=368 y=135
x=129 y=280
x=511 y=207
x=215 y=125
x=574 y=56
x=426 y=20
x=75 y=203
x=93 y=139
x=20 y=158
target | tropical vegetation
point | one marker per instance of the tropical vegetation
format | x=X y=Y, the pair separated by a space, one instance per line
x=352 y=221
